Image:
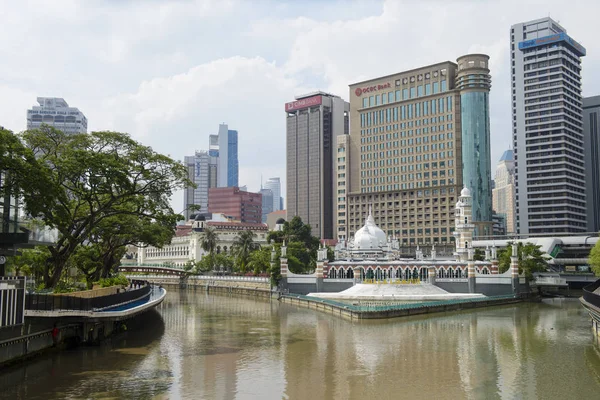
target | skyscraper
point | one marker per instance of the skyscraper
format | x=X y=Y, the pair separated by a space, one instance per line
x=240 y=205
x=313 y=122
x=503 y=194
x=275 y=185
x=547 y=128
x=591 y=140
x=54 y=111
x=416 y=136
x=228 y=157
x=199 y=171
x=267 y=203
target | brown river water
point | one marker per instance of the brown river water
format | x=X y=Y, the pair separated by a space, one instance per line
x=199 y=346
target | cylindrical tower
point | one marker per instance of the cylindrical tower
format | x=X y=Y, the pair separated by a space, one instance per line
x=474 y=82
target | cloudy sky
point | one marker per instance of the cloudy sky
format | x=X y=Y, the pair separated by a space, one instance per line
x=168 y=72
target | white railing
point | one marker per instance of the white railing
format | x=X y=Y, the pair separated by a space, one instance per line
x=549 y=280
x=206 y=278
x=451 y=279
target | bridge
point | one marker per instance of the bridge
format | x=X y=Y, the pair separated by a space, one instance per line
x=154 y=269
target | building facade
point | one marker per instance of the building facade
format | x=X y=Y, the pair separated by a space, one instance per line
x=591 y=114
x=503 y=194
x=312 y=123
x=55 y=112
x=407 y=150
x=267 y=203
x=187 y=243
x=240 y=205
x=228 y=169
x=547 y=128
x=275 y=185
x=342 y=163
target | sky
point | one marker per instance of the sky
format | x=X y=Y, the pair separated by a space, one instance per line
x=169 y=72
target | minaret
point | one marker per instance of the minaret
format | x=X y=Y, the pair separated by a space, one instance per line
x=463 y=225
x=514 y=268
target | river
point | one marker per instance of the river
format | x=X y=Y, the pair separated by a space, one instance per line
x=199 y=346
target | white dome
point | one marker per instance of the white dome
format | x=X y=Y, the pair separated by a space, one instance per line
x=465 y=192
x=459 y=204
x=370 y=236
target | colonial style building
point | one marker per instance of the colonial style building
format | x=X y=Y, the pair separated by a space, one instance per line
x=187 y=243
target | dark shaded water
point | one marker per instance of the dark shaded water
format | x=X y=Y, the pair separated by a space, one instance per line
x=200 y=346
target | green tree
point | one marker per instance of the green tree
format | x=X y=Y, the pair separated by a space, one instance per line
x=243 y=246
x=594 y=259
x=208 y=241
x=223 y=262
x=94 y=177
x=479 y=255
x=530 y=259
x=302 y=246
x=260 y=260
x=30 y=262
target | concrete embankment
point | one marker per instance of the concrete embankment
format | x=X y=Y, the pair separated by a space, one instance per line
x=353 y=312
x=250 y=287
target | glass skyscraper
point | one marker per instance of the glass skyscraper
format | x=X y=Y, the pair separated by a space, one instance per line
x=474 y=82
x=228 y=170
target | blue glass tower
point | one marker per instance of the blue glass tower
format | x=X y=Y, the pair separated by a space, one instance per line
x=232 y=158
x=474 y=82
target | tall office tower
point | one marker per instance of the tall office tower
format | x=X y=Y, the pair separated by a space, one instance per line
x=341 y=186
x=547 y=128
x=591 y=116
x=228 y=157
x=313 y=122
x=198 y=167
x=275 y=185
x=415 y=135
x=267 y=203
x=54 y=111
x=503 y=194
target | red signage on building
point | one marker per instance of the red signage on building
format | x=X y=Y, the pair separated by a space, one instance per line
x=304 y=103
x=359 y=91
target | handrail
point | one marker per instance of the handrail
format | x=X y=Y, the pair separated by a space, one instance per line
x=589 y=296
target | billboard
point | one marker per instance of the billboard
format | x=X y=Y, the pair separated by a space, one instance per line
x=304 y=103
x=559 y=37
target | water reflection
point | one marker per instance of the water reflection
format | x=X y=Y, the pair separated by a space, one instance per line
x=220 y=347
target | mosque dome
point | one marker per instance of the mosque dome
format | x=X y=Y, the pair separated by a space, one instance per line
x=280 y=221
x=199 y=217
x=370 y=236
x=465 y=192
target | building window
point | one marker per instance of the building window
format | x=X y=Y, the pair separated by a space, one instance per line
x=444 y=88
x=404 y=94
x=365 y=100
x=427 y=89
x=420 y=90
x=412 y=92
x=436 y=87
x=371 y=101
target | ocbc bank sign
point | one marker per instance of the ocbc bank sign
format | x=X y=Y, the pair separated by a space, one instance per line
x=367 y=89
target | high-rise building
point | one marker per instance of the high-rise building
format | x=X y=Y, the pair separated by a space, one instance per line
x=239 y=205
x=591 y=140
x=341 y=187
x=503 y=194
x=275 y=185
x=547 y=128
x=416 y=137
x=267 y=203
x=228 y=157
x=313 y=122
x=55 y=112
x=199 y=171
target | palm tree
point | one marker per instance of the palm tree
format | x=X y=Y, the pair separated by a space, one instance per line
x=208 y=242
x=243 y=245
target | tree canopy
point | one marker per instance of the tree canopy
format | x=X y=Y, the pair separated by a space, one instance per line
x=97 y=186
x=530 y=259
x=594 y=259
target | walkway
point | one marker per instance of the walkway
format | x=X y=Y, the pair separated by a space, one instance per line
x=418 y=292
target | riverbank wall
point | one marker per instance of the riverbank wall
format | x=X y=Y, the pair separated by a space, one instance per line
x=353 y=312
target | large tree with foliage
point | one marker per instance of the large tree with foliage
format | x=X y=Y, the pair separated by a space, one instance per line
x=94 y=179
x=530 y=259
x=208 y=241
x=594 y=259
x=260 y=260
x=302 y=246
x=243 y=246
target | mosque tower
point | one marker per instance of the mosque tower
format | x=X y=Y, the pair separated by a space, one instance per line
x=463 y=226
